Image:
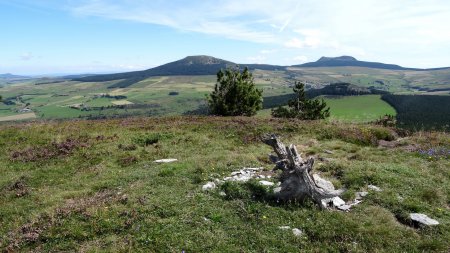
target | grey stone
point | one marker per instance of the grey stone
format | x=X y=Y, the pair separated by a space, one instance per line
x=209 y=186
x=423 y=219
x=170 y=160
x=297 y=232
x=360 y=195
x=323 y=183
x=337 y=202
x=277 y=189
x=344 y=207
x=266 y=183
x=328 y=151
x=284 y=227
x=374 y=188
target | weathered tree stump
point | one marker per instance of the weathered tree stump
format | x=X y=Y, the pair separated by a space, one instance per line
x=296 y=179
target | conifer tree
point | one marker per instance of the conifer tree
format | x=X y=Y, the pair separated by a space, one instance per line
x=235 y=94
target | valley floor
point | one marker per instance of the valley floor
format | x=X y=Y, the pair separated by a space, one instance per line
x=91 y=186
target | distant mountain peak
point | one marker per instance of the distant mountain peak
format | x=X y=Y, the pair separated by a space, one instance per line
x=349 y=61
x=203 y=60
x=340 y=58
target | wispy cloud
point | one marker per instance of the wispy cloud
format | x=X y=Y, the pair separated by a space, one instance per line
x=292 y=23
x=26 y=56
x=248 y=21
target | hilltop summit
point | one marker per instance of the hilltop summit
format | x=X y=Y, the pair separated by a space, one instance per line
x=349 y=61
x=340 y=58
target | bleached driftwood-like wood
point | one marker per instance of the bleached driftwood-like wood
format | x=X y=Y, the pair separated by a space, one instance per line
x=296 y=180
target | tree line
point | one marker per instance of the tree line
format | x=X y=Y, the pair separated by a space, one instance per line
x=421 y=112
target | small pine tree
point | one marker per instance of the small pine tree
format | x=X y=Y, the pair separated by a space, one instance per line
x=235 y=94
x=301 y=107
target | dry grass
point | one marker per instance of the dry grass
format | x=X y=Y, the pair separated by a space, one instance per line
x=23 y=116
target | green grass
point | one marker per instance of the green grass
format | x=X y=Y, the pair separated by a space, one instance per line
x=359 y=108
x=103 y=192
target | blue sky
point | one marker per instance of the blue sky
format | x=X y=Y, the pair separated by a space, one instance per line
x=80 y=36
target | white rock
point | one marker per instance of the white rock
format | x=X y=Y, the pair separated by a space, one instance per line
x=253 y=169
x=374 y=188
x=360 y=195
x=344 y=207
x=277 y=190
x=297 y=232
x=338 y=202
x=284 y=227
x=234 y=173
x=326 y=202
x=261 y=176
x=170 y=160
x=266 y=183
x=328 y=151
x=423 y=219
x=323 y=183
x=209 y=186
x=218 y=181
x=244 y=178
x=223 y=194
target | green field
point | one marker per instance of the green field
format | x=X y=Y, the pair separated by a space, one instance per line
x=151 y=96
x=92 y=186
x=359 y=108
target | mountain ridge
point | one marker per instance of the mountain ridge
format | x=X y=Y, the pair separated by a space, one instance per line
x=208 y=65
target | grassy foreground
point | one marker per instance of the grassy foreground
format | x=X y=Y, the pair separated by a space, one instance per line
x=91 y=186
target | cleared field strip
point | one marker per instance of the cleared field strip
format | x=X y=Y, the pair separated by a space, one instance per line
x=122 y=102
x=30 y=115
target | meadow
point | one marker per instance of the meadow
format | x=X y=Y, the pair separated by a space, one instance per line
x=358 y=108
x=90 y=186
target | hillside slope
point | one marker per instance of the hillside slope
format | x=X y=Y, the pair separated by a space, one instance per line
x=189 y=66
x=88 y=186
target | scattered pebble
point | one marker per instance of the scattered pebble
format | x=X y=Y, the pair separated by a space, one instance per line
x=297 y=232
x=243 y=175
x=277 y=189
x=423 y=219
x=170 y=160
x=360 y=195
x=209 y=186
x=374 y=188
x=335 y=202
x=344 y=207
x=266 y=183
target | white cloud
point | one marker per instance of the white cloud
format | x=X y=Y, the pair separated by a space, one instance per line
x=26 y=56
x=381 y=30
